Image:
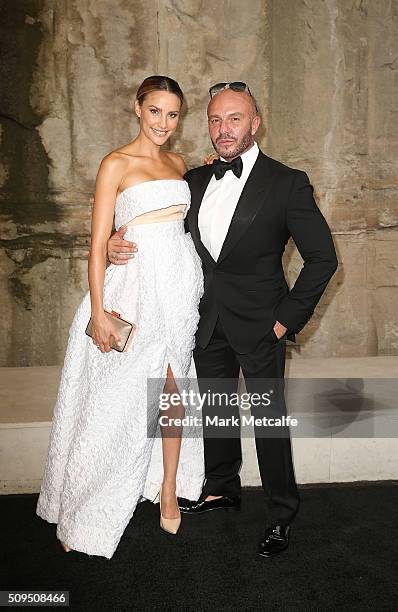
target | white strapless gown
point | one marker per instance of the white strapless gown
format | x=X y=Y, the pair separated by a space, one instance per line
x=101 y=461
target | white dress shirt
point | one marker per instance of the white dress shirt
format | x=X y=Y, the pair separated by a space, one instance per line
x=219 y=203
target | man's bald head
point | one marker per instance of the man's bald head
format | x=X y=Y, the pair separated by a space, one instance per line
x=233 y=121
x=228 y=98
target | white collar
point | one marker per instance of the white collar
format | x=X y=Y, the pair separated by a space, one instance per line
x=249 y=156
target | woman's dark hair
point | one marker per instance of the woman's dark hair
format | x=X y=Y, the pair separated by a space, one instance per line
x=158 y=83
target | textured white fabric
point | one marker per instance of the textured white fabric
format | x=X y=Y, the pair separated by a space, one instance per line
x=219 y=203
x=101 y=462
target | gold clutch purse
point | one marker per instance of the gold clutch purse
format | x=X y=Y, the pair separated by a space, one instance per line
x=125 y=329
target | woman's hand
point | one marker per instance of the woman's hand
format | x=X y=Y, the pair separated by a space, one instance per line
x=209 y=159
x=102 y=333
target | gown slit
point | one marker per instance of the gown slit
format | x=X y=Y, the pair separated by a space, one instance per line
x=105 y=452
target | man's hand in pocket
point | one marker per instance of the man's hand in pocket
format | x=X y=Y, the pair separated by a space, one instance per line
x=279 y=330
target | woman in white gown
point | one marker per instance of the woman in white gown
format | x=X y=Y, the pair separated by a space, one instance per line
x=103 y=458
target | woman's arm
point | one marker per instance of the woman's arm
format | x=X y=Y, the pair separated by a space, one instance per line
x=108 y=179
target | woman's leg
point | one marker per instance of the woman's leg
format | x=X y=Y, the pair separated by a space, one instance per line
x=171 y=444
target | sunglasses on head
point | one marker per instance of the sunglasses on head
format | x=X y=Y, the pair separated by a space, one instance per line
x=235 y=86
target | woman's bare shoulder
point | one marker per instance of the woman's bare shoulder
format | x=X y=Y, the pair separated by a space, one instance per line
x=117 y=162
x=176 y=160
x=122 y=155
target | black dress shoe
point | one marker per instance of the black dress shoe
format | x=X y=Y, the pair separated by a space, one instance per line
x=197 y=507
x=276 y=539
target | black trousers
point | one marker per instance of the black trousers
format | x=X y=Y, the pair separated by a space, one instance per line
x=217 y=369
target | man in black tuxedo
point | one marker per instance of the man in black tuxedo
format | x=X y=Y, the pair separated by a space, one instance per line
x=245 y=207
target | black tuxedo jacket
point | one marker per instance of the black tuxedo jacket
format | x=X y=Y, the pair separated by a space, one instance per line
x=246 y=286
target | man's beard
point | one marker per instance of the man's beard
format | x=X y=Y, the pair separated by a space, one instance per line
x=239 y=148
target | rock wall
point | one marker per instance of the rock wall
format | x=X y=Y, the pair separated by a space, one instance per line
x=325 y=76
x=333 y=113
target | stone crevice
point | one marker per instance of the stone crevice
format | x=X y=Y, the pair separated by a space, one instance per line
x=21 y=124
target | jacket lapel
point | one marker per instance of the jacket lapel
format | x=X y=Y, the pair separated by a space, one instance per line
x=254 y=193
x=198 y=187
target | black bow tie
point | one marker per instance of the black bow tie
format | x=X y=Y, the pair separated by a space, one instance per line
x=220 y=167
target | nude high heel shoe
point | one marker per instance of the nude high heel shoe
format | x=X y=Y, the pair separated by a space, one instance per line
x=65 y=547
x=167 y=524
